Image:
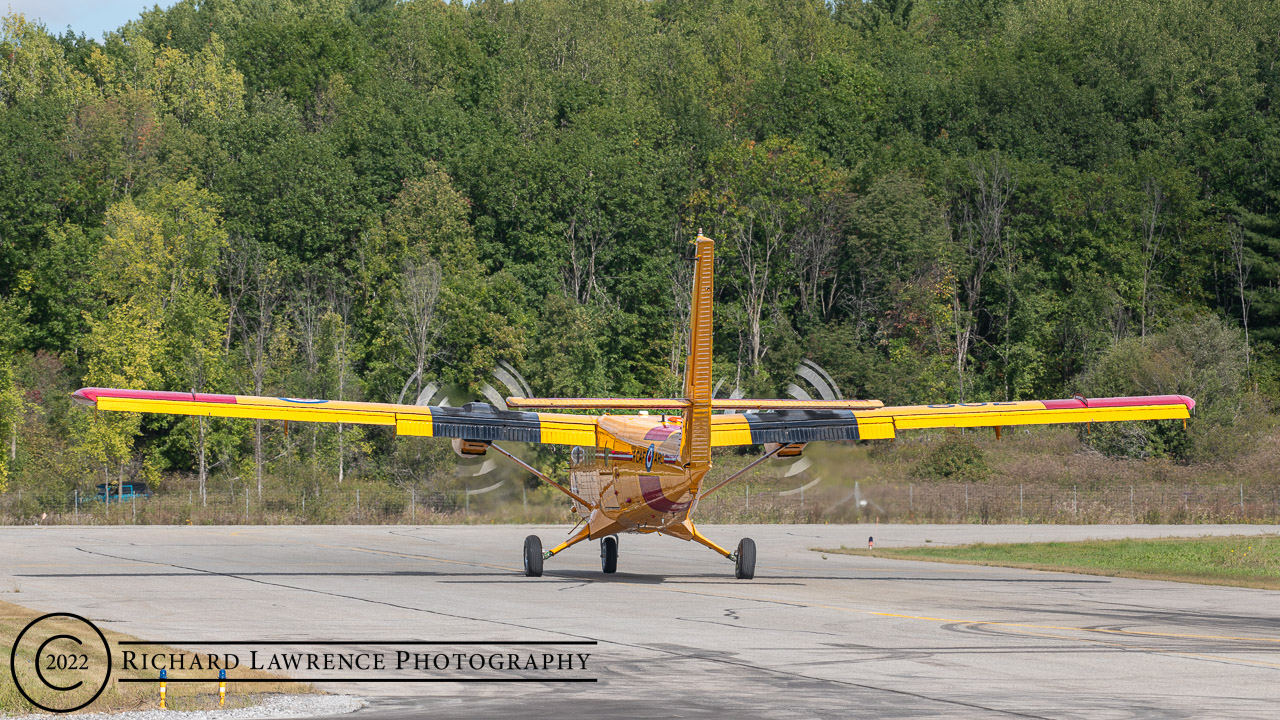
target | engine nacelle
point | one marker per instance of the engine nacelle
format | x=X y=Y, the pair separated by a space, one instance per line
x=470 y=448
x=787 y=451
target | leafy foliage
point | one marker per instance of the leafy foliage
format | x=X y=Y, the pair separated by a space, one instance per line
x=956 y=458
x=936 y=201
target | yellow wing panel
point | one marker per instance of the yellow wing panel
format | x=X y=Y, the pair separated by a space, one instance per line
x=1032 y=412
x=250 y=411
x=413 y=425
x=473 y=422
x=568 y=429
x=731 y=429
x=814 y=425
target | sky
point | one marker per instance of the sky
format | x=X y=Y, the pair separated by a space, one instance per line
x=93 y=17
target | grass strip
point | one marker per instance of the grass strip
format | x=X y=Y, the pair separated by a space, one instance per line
x=118 y=696
x=1240 y=560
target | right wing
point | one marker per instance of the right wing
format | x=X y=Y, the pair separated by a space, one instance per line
x=802 y=426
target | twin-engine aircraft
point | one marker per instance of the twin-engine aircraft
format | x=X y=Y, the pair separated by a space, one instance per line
x=645 y=473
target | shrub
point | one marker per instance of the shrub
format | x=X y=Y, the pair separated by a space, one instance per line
x=957 y=458
x=1203 y=358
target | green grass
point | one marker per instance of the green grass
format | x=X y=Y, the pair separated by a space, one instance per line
x=1244 y=561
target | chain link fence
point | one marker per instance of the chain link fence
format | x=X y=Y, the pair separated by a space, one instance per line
x=373 y=503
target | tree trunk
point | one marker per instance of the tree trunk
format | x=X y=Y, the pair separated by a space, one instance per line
x=341 y=454
x=1150 y=243
x=203 y=467
x=257 y=454
x=1242 y=268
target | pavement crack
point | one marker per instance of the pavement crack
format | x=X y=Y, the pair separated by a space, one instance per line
x=343 y=596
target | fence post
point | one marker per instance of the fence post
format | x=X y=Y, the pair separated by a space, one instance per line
x=1242 y=500
x=748 y=492
x=76 y=494
x=1132 y=515
x=413 y=504
x=1075 y=499
x=966 y=502
x=246 y=504
x=1021 y=514
x=911 y=498
x=357 y=504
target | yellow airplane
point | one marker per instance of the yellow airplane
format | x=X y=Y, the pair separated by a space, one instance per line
x=644 y=473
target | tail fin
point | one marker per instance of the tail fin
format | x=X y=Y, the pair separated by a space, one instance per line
x=696 y=445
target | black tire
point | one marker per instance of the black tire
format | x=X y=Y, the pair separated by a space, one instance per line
x=745 y=567
x=609 y=554
x=533 y=556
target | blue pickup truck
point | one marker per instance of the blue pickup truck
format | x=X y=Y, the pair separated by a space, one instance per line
x=130 y=491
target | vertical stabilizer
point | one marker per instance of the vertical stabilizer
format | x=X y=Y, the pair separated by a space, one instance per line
x=695 y=450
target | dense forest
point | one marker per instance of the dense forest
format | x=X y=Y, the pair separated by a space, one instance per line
x=935 y=201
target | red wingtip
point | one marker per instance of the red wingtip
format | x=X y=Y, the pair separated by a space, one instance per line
x=85 y=396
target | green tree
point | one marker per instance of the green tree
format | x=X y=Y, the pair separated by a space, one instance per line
x=758 y=201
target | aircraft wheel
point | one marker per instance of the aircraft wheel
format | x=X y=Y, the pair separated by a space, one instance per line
x=533 y=556
x=745 y=567
x=609 y=554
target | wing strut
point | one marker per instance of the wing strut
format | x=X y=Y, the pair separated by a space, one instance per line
x=542 y=477
x=738 y=474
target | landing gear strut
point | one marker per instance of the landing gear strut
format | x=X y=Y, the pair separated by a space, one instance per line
x=609 y=554
x=744 y=560
x=533 y=556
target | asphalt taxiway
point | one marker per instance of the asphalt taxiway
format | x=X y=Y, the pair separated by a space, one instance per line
x=677 y=636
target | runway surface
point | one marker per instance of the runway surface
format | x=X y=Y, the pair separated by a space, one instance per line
x=677 y=636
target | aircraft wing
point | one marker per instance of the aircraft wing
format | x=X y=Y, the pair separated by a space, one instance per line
x=801 y=426
x=473 y=421
x=479 y=421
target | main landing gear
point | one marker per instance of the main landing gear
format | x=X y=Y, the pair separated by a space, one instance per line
x=744 y=560
x=533 y=556
x=609 y=554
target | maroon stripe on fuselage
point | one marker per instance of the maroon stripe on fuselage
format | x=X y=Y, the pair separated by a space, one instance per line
x=651 y=487
x=660 y=433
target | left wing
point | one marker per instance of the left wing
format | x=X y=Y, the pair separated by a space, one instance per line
x=801 y=426
x=473 y=421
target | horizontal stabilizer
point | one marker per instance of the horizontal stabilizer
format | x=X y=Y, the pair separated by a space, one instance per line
x=770 y=404
x=681 y=404
x=599 y=403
